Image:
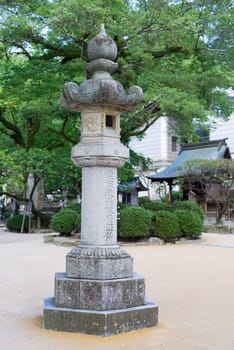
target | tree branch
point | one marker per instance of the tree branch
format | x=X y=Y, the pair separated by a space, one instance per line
x=62 y=132
x=17 y=134
x=144 y=128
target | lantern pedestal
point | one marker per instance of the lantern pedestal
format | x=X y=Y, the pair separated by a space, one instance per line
x=99 y=293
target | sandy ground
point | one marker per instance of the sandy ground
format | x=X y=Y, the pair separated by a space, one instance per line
x=193 y=285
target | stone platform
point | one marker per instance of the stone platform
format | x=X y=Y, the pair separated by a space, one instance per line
x=102 y=323
x=99 y=307
x=99 y=295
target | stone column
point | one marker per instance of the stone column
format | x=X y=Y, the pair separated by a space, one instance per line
x=99 y=293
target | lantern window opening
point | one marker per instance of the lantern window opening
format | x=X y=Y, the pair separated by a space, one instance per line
x=110 y=121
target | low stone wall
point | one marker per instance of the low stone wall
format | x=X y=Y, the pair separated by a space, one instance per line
x=219 y=228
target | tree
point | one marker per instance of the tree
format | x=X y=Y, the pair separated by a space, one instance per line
x=173 y=49
x=211 y=180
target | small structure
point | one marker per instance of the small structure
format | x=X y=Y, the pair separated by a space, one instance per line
x=216 y=149
x=99 y=293
x=129 y=191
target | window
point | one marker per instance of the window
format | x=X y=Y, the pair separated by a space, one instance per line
x=174 y=140
x=109 y=121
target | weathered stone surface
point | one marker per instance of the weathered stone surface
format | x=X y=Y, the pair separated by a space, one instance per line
x=103 y=323
x=98 y=294
x=86 y=264
x=156 y=241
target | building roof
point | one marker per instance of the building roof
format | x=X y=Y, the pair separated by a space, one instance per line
x=216 y=149
x=137 y=184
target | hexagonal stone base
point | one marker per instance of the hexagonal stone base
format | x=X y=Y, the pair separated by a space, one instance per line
x=99 y=294
x=103 y=323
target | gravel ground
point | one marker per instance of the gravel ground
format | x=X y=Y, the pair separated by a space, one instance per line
x=193 y=285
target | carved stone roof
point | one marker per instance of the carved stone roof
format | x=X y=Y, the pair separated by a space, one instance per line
x=101 y=90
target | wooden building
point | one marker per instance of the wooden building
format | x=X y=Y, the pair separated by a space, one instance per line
x=216 y=149
x=128 y=192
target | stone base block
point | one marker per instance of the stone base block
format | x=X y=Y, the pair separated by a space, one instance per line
x=102 y=323
x=99 y=263
x=99 y=294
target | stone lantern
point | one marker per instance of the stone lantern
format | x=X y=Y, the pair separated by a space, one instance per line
x=99 y=293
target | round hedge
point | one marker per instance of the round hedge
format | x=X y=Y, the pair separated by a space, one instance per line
x=189 y=206
x=65 y=221
x=14 y=224
x=155 y=206
x=191 y=224
x=135 y=222
x=78 y=223
x=74 y=206
x=143 y=200
x=165 y=225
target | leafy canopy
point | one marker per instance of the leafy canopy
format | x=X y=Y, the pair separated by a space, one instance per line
x=179 y=52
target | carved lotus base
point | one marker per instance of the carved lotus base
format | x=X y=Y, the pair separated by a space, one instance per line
x=101 y=263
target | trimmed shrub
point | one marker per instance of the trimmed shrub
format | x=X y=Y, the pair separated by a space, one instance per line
x=121 y=205
x=135 y=222
x=189 y=206
x=191 y=224
x=165 y=225
x=78 y=223
x=155 y=206
x=176 y=195
x=14 y=224
x=65 y=221
x=143 y=200
x=74 y=206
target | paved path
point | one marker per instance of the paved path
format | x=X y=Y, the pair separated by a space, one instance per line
x=193 y=285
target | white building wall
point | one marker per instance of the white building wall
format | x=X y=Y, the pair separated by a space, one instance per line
x=164 y=137
x=156 y=144
x=150 y=146
x=224 y=129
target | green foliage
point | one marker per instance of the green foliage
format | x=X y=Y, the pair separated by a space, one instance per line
x=65 y=222
x=190 y=206
x=165 y=226
x=155 y=206
x=74 y=206
x=176 y=195
x=135 y=222
x=121 y=205
x=179 y=52
x=78 y=223
x=191 y=224
x=143 y=200
x=14 y=224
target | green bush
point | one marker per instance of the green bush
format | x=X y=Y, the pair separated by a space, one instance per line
x=143 y=200
x=189 y=206
x=121 y=205
x=78 y=223
x=176 y=195
x=191 y=224
x=65 y=221
x=7 y=214
x=165 y=225
x=74 y=206
x=155 y=206
x=14 y=224
x=135 y=222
